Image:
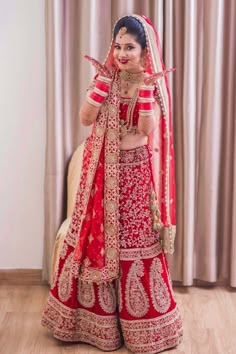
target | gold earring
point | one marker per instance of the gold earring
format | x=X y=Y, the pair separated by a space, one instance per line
x=144 y=61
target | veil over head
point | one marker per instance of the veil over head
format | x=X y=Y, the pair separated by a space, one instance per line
x=94 y=229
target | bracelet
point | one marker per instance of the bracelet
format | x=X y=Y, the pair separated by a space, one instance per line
x=146 y=100
x=100 y=91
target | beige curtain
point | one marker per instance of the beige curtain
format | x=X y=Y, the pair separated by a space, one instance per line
x=198 y=39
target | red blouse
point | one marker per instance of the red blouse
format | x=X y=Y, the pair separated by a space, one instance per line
x=123 y=111
x=124 y=103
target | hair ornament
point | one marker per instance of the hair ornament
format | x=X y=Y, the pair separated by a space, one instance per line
x=122 y=31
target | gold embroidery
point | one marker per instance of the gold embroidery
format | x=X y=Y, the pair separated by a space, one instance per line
x=75 y=269
x=111 y=134
x=65 y=280
x=86 y=294
x=99 y=131
x=110 y=121
x=132 y=254
x=153 y=335
x=167 y=238
x=111 y=158
x=103 y=107
x=94 y=143
x=95 y=154
x=135 y=212
x=106 y=296
x=135 y=163
x=138 y=155
x=168 y=277
x=64 y=250
x=110 y=229
x=111 y=200
x=111 y=207
x=81 y=325
x=112 y=272
x=96 y=275
x=87 y=261
x=115 y=87
x=112 y=253
x=136 y=298
x=111 y=182
x=112 y=110
x=159 y=292
x=55 y=273
x=90 y=176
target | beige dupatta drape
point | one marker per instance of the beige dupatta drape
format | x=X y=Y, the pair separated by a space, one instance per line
x=198 y=39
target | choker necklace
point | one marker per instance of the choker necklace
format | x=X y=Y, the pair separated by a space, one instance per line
x=132 y=77
x=129 y=79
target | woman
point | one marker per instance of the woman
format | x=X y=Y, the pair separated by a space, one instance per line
x=112 y=281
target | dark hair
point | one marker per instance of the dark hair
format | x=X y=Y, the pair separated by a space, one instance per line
x=133 y=27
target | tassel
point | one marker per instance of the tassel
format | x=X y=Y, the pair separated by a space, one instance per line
x=156 y=214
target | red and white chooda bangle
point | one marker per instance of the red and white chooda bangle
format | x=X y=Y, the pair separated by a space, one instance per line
x=100 y=91
x=145 y=100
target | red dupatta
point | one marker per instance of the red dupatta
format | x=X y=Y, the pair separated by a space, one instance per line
x=94 y=228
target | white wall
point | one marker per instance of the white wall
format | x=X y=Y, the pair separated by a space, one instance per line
x=22 y=132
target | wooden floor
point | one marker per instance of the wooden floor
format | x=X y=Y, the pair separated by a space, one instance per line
x=209 y=317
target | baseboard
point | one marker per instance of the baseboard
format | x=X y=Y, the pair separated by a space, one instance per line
x=34 y=277
x=21 y=277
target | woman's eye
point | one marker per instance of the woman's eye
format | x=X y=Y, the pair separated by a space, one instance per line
x=130 y=47
x=117 y=47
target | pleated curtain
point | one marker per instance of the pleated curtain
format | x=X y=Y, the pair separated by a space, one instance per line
x=198 y=38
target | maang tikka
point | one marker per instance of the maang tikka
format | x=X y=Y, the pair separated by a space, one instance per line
x=122 y=31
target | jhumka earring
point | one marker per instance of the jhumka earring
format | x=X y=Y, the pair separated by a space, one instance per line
x=144 y=60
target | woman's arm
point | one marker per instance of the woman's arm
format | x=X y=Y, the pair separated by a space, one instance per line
x=146 y=124
x=149 y=109
x=95 y=98
x=88 y=113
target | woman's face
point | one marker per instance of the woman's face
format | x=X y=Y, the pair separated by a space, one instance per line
x=128 y=53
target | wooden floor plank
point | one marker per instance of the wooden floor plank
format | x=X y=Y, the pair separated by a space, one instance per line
x=208 y=316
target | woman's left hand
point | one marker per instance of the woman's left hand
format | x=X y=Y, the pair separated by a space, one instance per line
x=152 y=78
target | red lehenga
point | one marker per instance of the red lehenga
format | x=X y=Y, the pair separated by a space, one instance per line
x=112 y=282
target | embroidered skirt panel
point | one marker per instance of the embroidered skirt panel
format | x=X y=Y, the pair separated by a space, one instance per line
x=139 y=307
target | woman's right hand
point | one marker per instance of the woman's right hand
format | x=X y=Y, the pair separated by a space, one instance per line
x=97 y=95
x=101 y=69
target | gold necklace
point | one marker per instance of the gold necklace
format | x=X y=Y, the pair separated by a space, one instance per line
x=132 y=77
x=127 y=125
x=128 y=79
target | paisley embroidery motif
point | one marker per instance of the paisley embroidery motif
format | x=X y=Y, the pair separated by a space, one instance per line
x=55 y=275
x=65 y=280
x=137 y=302
x=159 y=292
x=169 y=278
x=86 y=294
x=106 y=296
